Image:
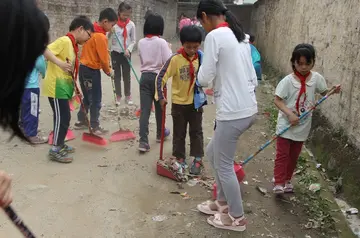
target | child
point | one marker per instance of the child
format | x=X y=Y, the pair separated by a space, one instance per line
x=125 y=31
x=30 y=103
x=295 y=94
x=256 y=58
x=58 y=86
x=227 y=66
x=154 y=52
x=183 y=67
x=95 y=56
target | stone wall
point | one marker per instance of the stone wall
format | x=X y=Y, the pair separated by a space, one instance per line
x=333 y=27
x=61 y=12
x=242 y=12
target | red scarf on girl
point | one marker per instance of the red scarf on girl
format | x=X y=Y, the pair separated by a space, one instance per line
x=223 y=24
x=302 y=89
x=123 y=24
x=76 y=51
x=98 y=28
x=191 y=63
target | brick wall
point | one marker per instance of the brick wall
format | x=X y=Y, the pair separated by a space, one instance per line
x=61 y=12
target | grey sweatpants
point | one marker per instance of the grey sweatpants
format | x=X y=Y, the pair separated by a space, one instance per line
x=221 y=151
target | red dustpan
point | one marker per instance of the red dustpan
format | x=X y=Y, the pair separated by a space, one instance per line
x=164 y=168
x=69 y=136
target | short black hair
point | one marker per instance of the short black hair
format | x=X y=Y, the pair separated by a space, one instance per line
x=190 y=34
x=23 y=25
x=252 y=38
x=124 y=7
x=108 y=14
x=81 y=21
x=154 y=25
x=305 y=50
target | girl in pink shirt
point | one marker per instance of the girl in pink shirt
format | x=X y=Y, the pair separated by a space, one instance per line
x=154 y=52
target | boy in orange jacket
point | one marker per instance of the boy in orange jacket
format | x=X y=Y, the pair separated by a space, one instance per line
x=95 y=56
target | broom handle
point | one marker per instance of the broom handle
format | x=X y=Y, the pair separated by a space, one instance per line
x=331 y=91
x=131 y=66
x=77 y=91
x=16 y=220
x=115 y=99
x=163 y=126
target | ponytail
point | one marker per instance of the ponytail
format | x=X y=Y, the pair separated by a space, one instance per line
x=217 y=8
x=235 y=25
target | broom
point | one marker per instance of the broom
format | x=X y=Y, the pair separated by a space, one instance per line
x=137 y=113
x=120 y=135
x=163 y=168
x=88 y=137
x=16 y=220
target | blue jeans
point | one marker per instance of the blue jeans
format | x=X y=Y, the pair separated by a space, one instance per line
x=90 y=82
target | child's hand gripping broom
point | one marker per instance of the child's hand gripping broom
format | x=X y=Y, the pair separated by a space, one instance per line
x=88 y=137
x=240 y=173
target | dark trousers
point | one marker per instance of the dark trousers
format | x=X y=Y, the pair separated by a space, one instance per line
x=62 y=116
x=90 y=82
x=182 y=116
x=121 y=65
x=147 y=93
x=30 y=111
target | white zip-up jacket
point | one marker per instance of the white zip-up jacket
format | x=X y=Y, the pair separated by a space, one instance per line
x=227 y=65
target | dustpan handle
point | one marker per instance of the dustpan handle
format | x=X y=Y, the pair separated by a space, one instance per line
x=163 y=119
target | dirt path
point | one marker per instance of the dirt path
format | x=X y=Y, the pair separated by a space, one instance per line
x=115 y=192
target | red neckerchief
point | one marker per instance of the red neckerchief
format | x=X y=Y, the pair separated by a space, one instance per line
x=98 y=28
x=223 y=24
x=149 y=36
x=302 y=89
x=123 y=24
x=76 y=51
x=192 y=68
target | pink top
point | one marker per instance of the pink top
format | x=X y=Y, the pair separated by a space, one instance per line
x=153 y=52
x=184 y=22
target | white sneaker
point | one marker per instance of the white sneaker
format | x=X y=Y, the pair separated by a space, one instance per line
x=278 y=189
x=289 y=188
x=118 y=100
x=128 y=100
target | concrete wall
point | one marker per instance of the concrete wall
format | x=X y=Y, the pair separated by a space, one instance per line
x=334 y=28
x=242 y=12
x=61 y=12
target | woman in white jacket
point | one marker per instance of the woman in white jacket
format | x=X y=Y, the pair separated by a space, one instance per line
x=228 y=67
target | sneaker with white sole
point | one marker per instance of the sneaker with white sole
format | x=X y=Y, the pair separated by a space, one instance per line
x=99 y=130
x=278 y=189
x=118 y=100
x=37 y=140
x=289 y=188
x=128 y=100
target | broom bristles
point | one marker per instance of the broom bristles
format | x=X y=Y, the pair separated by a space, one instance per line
x=94 y=139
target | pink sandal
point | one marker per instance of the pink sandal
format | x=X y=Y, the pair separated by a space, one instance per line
x=238 y=224
x=206 y=209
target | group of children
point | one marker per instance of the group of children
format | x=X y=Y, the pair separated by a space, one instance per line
x=227 y=64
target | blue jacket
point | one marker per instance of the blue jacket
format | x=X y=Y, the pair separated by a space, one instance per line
x=256 y=60
x=32 y=81
x=200 y=99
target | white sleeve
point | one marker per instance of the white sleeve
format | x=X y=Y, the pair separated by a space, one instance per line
x=207 y=71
